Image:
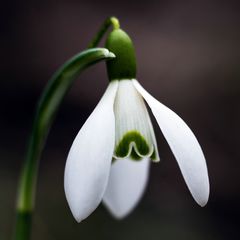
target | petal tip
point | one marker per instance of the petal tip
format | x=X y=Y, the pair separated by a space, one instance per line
x=202 y=200
x=78 y=213
x=79 y=218
x=117 y=213
x=202 y=203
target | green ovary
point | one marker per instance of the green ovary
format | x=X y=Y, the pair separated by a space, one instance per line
x=142 y=146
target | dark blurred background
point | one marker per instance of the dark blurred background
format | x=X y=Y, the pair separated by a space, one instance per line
x=188 y=57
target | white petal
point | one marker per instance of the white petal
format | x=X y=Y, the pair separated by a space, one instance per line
x=131 y=117
x=89 y=160
x=184 y=146
x=126 y=185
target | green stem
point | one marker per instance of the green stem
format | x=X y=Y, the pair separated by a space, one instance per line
x=23 y=225
x=112 y=21
x=47 y=108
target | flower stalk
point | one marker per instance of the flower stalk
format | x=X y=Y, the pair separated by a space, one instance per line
x=112 y=21
x=47 y=108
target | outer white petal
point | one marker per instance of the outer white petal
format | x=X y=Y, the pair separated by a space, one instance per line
x=126 y=185
x=184 y=146
x=89 y=160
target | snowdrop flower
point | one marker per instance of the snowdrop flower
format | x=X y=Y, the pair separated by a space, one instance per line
x=110 y=156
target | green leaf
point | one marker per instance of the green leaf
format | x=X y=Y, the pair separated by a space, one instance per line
x=63 y=79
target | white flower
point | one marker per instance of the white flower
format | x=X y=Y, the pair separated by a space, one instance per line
x=109 y=158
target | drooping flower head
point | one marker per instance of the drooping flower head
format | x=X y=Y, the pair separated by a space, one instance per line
x=134 y=135
x=109 y=158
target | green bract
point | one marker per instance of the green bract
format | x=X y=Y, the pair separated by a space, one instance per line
x=124 y=66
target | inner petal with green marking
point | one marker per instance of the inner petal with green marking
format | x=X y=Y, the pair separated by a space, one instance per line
x=133 y=145
x=135 y=137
